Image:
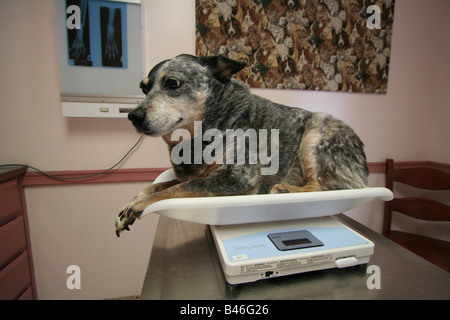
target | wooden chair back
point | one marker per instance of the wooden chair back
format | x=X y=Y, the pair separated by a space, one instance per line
x=434 y=250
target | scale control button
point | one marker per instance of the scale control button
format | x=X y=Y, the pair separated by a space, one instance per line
x=346 y=262
x=240 y=257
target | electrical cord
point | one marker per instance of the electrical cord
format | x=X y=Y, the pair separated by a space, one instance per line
x=75 y=178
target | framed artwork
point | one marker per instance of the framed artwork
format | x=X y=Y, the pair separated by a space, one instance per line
x=331 y=45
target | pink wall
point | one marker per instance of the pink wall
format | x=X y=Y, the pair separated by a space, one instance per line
x=31 y=113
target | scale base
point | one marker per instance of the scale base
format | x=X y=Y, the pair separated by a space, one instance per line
x=247 y=252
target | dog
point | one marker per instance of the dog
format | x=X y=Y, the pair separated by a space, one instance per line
x=315 y=151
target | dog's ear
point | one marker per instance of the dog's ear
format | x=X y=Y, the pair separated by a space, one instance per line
x=223 y=68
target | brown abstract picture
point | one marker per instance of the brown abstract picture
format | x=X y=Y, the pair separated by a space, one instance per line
x=332 y=45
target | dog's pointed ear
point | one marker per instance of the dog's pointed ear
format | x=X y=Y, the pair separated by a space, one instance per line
x=223 y=68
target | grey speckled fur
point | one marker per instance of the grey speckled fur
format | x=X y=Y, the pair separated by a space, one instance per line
x=316 y=150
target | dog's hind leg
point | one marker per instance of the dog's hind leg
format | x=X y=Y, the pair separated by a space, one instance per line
x=305 y=176
x=330 y=157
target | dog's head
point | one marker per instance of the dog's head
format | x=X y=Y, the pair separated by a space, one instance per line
x=177 y=90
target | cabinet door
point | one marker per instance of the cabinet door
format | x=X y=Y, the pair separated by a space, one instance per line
x=15 y=278
x=12 y=241
x=10 y=201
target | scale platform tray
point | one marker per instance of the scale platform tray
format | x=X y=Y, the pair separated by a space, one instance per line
x=231 y=210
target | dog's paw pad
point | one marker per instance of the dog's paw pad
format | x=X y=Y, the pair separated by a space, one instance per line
x=125 y=219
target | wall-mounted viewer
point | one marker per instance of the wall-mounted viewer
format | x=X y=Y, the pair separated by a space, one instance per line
x=100 y=56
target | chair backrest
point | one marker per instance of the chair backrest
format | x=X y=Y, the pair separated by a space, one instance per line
x=419 y=208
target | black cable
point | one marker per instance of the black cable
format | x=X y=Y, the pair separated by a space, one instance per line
x=75 y=178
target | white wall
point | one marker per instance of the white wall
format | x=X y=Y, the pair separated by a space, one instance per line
x=74 y=224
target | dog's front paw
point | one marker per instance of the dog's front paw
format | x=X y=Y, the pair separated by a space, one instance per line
x=126 y=218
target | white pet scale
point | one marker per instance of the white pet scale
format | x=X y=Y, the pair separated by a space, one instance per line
x=266 y=236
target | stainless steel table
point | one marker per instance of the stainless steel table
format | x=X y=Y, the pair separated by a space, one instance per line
x=184 y=264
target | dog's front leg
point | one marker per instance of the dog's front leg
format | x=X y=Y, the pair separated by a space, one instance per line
x=134 y=208
x=222 y=183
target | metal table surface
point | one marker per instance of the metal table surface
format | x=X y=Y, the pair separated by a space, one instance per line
x=184 y=264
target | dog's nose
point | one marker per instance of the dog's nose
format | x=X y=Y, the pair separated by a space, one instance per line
x=137 y=116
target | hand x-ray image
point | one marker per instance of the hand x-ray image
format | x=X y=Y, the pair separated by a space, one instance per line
x=111 y=26
x=99 y=38
x=79 y=42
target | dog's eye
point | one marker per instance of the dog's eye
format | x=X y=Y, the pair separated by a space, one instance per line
x=172 y=84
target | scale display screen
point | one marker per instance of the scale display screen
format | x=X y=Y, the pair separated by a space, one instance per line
x=295 y=241
x=291 y=240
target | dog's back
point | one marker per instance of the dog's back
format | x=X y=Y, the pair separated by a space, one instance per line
x=309 y=143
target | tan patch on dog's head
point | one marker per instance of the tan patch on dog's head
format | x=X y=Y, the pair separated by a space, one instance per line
x=162 y=75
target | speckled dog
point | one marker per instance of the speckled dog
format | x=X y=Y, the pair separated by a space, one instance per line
x=315 y=151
